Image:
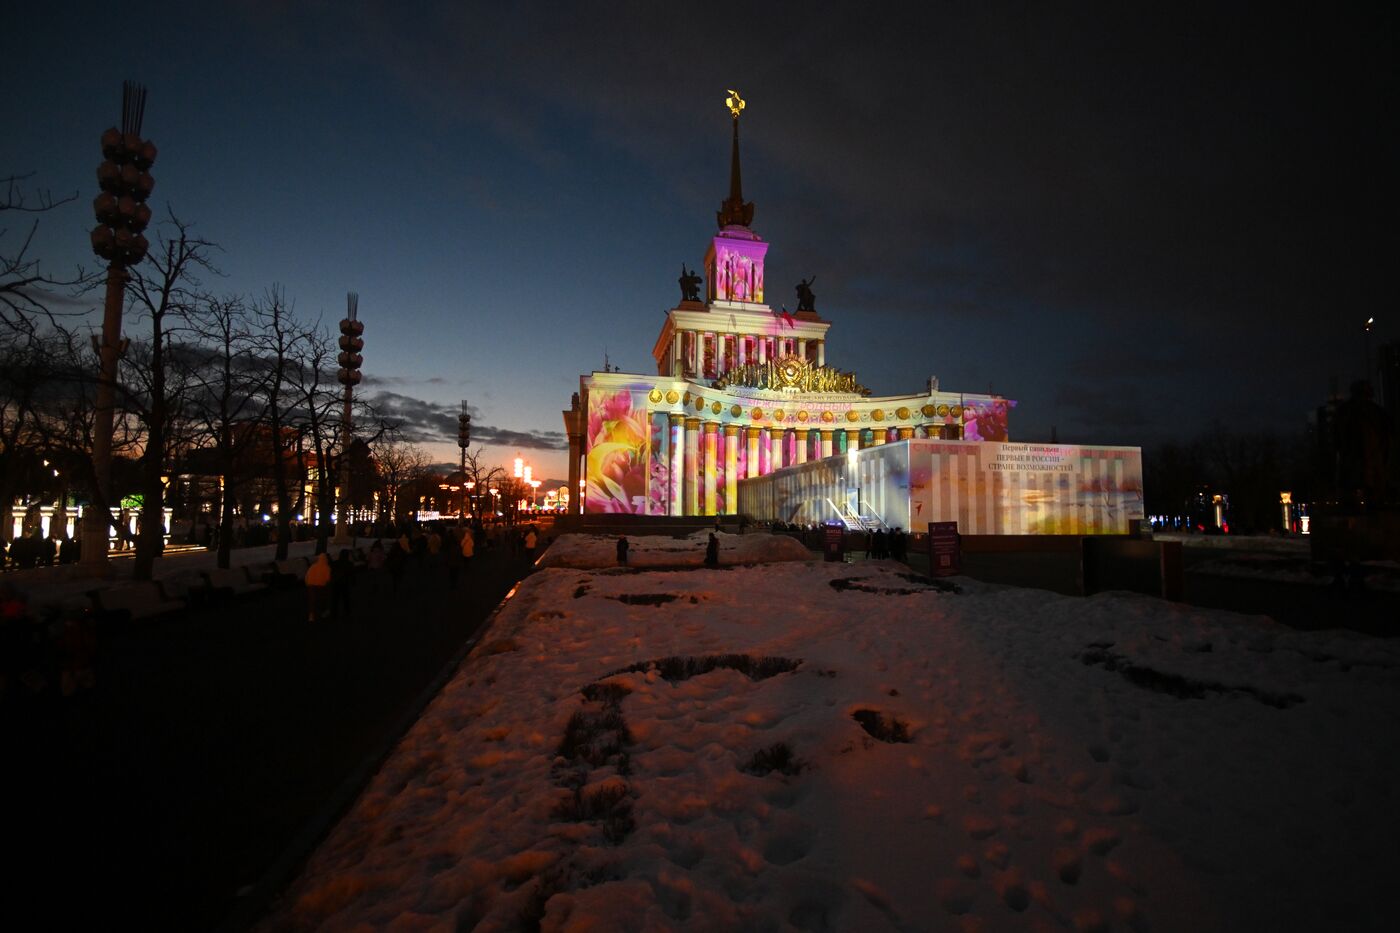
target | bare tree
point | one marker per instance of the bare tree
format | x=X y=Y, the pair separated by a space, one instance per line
x=26 y=290
x=164 y=291
x=227 y=401
x=284 y=345
x=399 y=464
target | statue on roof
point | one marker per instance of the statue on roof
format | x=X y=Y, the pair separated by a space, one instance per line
x=806 y=299
x=690 y=284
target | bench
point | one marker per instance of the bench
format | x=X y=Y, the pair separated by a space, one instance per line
x=143 y=600
x=294 y=567
x=234 y=581
x=187 y=585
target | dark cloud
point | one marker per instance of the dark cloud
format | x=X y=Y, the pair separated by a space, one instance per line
x=435 y=422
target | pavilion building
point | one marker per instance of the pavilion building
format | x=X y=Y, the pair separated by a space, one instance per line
x=741 y=393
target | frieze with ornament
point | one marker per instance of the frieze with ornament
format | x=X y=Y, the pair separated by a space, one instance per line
x=791 y=374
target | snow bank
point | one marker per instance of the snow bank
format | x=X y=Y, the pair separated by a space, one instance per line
x=582 y=551
x=812 y=746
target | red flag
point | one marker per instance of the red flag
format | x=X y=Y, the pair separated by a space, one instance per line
x=788 y=319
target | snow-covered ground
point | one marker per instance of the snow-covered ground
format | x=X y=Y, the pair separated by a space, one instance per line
x=851 y=748
x=657 y=551
x=1382 y=576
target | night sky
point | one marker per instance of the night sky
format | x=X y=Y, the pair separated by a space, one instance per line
x=1133 y=223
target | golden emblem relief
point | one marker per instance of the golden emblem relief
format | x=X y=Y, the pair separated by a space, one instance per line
x=878 y=414
x=672 y=397
x=942 y=411
x=716 y=407
x=735 y=411
x=929 y=410
x=902 y=414
x=802 y=416
x=757 y=414
x=778 y=415
x=654 y=395
x=687 y=399
x=791 y=374
x=828 y=417
x=699 y=403
x=853 y=415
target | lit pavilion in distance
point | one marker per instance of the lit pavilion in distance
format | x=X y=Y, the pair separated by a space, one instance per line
x=743 y=393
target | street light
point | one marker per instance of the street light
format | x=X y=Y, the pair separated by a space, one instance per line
x=121 y=214
x=1370 y=321
x=464 y=439
x=495 y=502
x=534 y=487
x=350 y=360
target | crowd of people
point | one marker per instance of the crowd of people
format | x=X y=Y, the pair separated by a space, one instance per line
x=443 y=552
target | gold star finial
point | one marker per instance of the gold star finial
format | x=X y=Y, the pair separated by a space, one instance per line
x=735 y=103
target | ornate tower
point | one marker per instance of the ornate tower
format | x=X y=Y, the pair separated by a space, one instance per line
x=734 y=261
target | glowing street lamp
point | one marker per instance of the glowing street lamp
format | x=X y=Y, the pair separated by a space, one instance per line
x=519 y=467
x=534 y=487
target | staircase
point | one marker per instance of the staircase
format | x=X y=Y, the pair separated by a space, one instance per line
x=855 y=521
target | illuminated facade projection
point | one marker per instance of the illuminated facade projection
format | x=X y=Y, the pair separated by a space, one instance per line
x=745 y=415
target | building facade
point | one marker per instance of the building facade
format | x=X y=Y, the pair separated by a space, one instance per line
x=740 y=391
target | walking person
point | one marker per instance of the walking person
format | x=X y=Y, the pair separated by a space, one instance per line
x=712 y=551
x=531 y=539
x=622 y=547
x=342 y=576
x=395 y=561
x=374 y=563
x=318 y=581
x=468 y=549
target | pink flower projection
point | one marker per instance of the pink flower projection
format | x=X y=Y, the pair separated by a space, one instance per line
x=988 y=423
x=618 y=453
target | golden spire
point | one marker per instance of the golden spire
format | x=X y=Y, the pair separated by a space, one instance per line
x=735 y=211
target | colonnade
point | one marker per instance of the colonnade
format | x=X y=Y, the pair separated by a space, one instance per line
x=698 y=445
x=687 y=361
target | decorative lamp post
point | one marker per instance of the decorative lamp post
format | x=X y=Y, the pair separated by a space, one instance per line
x=519 y=467
x=350 y=360
x=534 y=487
x=464 y=440
x=121 y=216
x=494 y=501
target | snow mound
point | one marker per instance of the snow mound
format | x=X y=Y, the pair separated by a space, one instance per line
x=812 y=746
x=585 y=551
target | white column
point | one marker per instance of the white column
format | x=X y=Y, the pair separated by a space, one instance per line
x=852 y=439
x=776 y=443
x=677 y=366
x=821 y=352
x=752 y=464
x=801 y=434
x=711 y=442
x=692 y=466
x=677 y=496
x=801 y=348
x=826 y=443
x=731 y=469
x=762 y=350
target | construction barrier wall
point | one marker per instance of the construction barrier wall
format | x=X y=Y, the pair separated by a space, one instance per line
x=987 y=487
